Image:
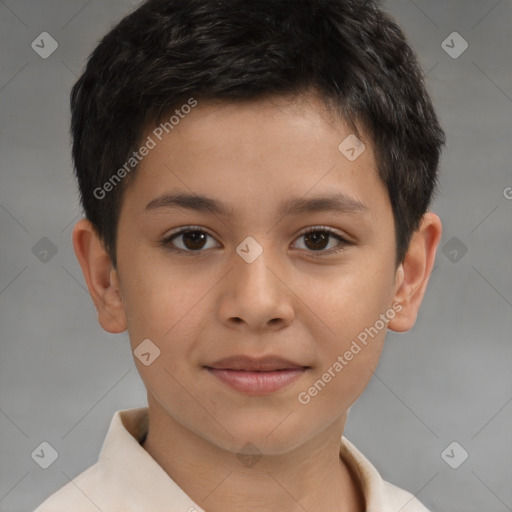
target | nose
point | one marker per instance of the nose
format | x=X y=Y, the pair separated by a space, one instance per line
x=256 y=295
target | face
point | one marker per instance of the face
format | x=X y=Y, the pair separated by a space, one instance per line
x=286 y=267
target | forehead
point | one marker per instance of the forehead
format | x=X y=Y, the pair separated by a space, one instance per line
x=277 y=149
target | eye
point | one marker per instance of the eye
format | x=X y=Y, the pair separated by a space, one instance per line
x=191 y=239
x=319 y=238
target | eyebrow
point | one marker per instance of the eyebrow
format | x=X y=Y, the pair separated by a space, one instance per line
x=338 y=203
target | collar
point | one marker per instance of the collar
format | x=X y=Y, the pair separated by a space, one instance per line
x=146 y=486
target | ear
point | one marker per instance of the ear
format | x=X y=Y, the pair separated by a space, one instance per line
x=413 y=273
x=101 y=277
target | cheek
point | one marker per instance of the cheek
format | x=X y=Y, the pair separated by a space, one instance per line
x=349 y=349
x=337 y=385
x=351 y=301
x=159 y=298
x=346 y=360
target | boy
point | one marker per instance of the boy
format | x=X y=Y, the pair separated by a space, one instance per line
x=255 y=178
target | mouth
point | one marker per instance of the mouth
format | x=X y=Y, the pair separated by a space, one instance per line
x=256 y=376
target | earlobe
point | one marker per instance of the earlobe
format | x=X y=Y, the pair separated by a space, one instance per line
x=101 y=277
x=413 y=273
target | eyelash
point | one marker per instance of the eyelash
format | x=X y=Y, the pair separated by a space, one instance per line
x=167 y=241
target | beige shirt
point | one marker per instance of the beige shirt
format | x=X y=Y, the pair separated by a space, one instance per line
x=127 y=479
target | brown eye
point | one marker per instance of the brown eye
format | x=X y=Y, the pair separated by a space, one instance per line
x=188 y=241
x=316 y=240
x=194 y=240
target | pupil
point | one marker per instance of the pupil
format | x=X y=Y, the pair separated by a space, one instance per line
x=318 y=239
x=196 y=239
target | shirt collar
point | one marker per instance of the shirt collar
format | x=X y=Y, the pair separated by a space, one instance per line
x=144 y=482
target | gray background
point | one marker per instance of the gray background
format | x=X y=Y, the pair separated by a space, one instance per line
x=449 y=379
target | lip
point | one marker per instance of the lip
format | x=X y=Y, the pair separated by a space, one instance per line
x=253 y=364
x=256 y=376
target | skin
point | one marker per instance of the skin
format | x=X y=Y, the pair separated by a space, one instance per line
x=292 y=301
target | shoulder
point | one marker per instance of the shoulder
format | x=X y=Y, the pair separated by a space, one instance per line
x=399 y=499
x=107 y=484
x=79 y=494
x=379 y=495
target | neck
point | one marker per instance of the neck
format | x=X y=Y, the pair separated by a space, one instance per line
x=309 y=477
